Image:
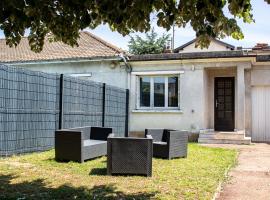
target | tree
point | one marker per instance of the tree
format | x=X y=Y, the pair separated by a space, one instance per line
x=150 y=45
x=63 y=19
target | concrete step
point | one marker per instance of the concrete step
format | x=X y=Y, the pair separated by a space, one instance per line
x=236 y=136
x=246 y=141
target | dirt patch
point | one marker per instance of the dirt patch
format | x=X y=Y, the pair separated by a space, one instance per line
x=250 y=179
x=18 y=164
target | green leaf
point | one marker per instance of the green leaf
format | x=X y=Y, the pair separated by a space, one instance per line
x=64 y=19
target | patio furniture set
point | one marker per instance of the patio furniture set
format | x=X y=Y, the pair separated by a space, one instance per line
x=125 y=155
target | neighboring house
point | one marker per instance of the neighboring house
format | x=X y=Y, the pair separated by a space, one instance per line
x=215 y=45
x=94 y=59
x=214 y=91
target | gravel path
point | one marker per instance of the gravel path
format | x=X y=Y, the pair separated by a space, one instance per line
x=250 y=179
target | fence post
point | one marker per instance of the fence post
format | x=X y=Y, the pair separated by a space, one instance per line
x=61 y=93
x=103 y=103
x=127 y=113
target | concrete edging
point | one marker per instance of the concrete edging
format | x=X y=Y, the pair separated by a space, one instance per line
x=226 y=175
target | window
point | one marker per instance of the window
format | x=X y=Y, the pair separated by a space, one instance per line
x=158 y=92
x=172 y=91
x=145 y=91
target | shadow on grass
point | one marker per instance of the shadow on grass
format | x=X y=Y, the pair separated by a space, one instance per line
x=67 y=161
x=37 y=189
x=98 y=171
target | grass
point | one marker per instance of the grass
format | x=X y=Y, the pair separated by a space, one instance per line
x=39 y=176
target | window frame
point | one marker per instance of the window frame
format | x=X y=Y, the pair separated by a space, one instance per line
x=152 y=76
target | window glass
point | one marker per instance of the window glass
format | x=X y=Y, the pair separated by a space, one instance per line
x=159 y=91
x=144 y=91
x=172 y=91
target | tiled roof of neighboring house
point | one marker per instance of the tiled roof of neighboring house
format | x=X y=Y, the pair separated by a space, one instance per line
x=193 y=55
x=90 y=46
x=261 y=46
x=229 y=46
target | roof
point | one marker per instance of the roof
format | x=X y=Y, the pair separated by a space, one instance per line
x=261 y=46
x=263 y=58
x=229 y=46
x=90 y=46
x=193 y=55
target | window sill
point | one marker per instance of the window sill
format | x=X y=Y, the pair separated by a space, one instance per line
x=156 y=111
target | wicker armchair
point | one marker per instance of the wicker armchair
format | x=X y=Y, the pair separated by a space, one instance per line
x=129 y=155
x=168 y=143
x=80 y=144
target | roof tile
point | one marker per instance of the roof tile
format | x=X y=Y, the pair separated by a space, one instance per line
x=90 y=46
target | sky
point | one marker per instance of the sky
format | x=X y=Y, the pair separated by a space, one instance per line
x=254 y=33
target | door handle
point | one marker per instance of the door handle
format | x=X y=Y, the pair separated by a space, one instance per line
x=216 y=103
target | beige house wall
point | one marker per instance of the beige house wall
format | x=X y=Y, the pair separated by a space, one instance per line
x=196 y=94
x=260 y=76
x=109 y=72
x=191 y=112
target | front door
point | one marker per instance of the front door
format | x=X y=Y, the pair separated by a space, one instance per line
x=224 y=103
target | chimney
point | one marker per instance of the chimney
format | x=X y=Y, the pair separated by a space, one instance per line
x=239 y=48
x=261 y=46
x=168 y=48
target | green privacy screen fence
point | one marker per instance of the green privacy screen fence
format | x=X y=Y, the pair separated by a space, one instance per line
x=34 y=104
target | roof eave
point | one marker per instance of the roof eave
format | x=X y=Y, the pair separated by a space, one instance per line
x=61 y=60
x=187 y=56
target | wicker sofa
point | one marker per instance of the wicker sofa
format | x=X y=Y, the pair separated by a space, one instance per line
x=80 y=144
x=168 y=143
x=127 y=155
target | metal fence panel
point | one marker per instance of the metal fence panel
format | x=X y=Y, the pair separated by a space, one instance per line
x=82 y=103
x=30 y=108
x=115 y=109
x=27 y=110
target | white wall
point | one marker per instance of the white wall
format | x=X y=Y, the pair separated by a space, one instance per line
x=196 y=94
x=102 y=71
x=260 y=113
x=260 y=76
x=260 y=104
x=190 y=115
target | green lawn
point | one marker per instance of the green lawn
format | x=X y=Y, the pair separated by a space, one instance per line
x=39 y=176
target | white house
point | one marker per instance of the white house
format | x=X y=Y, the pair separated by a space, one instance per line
x=222 y=93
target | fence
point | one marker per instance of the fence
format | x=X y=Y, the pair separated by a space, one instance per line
x=34 y=104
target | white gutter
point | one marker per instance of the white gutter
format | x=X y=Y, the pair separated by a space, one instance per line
x=119 y=58
x=62 y=61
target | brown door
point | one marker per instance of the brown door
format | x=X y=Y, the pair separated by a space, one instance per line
x=224 y=103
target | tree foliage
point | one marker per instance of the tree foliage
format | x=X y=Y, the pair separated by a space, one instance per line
x=63 y=19
x=150 y=45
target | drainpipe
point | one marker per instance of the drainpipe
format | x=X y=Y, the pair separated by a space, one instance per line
x=125 y=59
x=128 y=68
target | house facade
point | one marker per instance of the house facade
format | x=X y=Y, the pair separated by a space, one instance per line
x=219 y=90
x=224 y=91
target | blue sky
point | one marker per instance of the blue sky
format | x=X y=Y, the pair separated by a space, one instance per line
x=255 y=32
